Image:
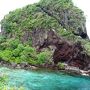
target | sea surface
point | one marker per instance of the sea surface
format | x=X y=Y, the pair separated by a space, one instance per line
x=45 y=80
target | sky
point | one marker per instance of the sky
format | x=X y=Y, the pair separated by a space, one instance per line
x=8 y=5
x=85 y=6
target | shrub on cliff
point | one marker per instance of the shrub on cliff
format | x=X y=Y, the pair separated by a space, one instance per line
x=9 y=44
x=60 y=65
x=43 y=57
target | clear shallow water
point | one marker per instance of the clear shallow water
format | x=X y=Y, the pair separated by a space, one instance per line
x=45 y=80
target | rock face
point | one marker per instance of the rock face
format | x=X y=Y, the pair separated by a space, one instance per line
x=71 y=53
x=51 y=14
x=42 y=38
x=25 y=36
x=64 y=16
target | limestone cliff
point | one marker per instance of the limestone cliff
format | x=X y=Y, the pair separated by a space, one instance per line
x=56 y=23
x=59 y=14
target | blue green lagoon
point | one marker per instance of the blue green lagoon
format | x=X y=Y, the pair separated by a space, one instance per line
x=45 y=80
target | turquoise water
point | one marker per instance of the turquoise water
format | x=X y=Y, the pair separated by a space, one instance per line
x=45 y=80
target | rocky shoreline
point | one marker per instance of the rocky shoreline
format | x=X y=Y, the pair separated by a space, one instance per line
x=68 y=69
x=75 y=70
x=23 y=65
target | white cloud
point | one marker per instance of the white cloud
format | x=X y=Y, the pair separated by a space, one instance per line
x=85 y=6
x=9 y=5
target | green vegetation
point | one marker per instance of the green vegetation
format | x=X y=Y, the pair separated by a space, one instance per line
x=12 y=51
x=65 y=12
x=4 y=83
x=27 y=18
x=60 y=15
x=61 y=65
x=44 y=57
x=2 y=80
x=11 y=88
